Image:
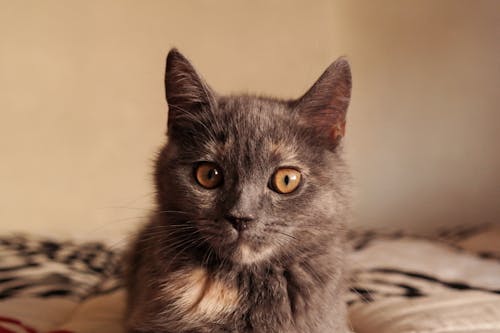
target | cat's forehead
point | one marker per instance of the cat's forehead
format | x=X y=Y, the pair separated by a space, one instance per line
x=256 y=117
x=254 y=125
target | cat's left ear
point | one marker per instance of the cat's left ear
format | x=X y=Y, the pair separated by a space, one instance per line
x=324 y=105
x=186 y=91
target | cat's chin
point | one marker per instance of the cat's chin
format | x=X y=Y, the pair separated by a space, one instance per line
x=248 y=255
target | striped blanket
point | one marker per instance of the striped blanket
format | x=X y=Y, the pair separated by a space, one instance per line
x=400 y=283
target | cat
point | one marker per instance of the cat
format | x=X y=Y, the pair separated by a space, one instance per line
x=252 y=199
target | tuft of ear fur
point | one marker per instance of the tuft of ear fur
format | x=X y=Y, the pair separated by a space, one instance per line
x=185 y=90
x=324 y=105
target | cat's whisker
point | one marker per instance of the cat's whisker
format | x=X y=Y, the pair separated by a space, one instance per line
x=173 y=212
x=145 y=195
x=187 y=115
x=113 y=222
x=180 y=251
x=180 y=238
x=119 y=243
x=285 y=234
x=128 y=208
x=173 y=228
x=206 y=257
x=153 y=234
x=367 y=293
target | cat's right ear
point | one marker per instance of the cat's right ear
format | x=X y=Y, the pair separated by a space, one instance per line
x=185 y=90
x=324 y=106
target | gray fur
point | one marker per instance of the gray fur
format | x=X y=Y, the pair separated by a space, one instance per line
x=187 y=272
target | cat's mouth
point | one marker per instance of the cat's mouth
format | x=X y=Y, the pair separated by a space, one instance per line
x=244 y=246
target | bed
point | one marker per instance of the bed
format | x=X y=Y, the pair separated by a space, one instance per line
x=448 y=282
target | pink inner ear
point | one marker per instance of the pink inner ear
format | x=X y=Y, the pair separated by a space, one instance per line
x=338 y=130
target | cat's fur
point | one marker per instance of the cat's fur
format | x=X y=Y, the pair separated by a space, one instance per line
x=187 y=272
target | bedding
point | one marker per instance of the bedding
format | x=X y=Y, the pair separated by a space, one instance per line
x=449 y=283
x=401 y=283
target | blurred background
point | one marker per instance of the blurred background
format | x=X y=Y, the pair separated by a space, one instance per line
x=82 y=110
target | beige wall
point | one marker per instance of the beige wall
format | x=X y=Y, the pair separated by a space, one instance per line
x=82 y=109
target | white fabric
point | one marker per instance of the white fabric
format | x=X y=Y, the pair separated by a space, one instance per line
x=443 y=309
x=471 y=312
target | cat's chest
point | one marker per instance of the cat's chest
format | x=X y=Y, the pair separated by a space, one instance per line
x=197 y=296
x=241 y=301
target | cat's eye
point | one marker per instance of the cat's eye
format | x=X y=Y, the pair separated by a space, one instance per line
x=285 y=180
x=208 y=175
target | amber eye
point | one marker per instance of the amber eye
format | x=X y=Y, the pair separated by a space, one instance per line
x=208 y=175
x=285 y=180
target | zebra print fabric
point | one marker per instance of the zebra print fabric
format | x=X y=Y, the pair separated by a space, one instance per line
x=383 y=265
x=398 y=265
x=34 y=267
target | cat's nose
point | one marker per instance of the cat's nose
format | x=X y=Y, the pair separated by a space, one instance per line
x=239 y=223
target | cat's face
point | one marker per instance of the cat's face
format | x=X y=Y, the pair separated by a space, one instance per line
x=254 y=178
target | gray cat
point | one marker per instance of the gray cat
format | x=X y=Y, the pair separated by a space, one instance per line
x=248 y=234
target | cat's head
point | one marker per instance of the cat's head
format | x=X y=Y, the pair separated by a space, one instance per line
x=253 y=178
